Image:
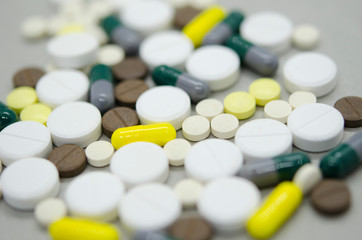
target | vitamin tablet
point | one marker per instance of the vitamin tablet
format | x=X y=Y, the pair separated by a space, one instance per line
x=34 y=27
x=191 y=228
x=7 y=116
x=209 y=108
x=224 y=126
x=240 y=104
x=188 y=191
x=307 y=177
x=176 y=151
x=278 y=110
x=264 y=90
x=21 y=97
x=300 y=98
x=263 y=138
x=110 y=54
x=130 y=68
x=351 y=110
x=127 y=92
x=50 y=210
x=37 y=112
x=196 y=128
x=99 y=153
x=98 y=33
x=27 y=77
x=184 y=15
x=305 y=37
x=119 y=117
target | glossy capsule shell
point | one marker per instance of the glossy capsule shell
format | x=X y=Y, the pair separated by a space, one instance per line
x=276 y=209
x=7 y=116
x=159 y=133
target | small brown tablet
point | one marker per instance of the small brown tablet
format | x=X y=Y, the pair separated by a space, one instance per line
x=351 y=110
x=117 y=118
x=192 y=228
x=27 y=77
x=130 y=68
x=184 y=15
x=127 y=92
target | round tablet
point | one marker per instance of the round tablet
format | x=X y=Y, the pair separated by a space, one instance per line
x=176 y=151
x=269 y=30
x=316 y=127
x=24 y=139
x=305 y=37
x=75 y=123
x=213 y=158
x=74 y=50
x=240 y=104
x=310 y=71
x=62 y=86
x=217 y=65
x=156 y=199
x=34 y=27
x=300 y=98
x=167 y=47
x=118 y=117
x=227 y=203
x=307 y=176
x=27 y=77
x=278 y=110
x=37 y=112
x=196 y=128
x=50 y=210
x=128 y=91
x=28 y=181
x=191 y=228
x=351 y=110
x=140 y=162
x=188 y=191
x=21 y=97
x=263 y=138
x=130 y=68
x=209 y=108
x=202 y=4
x=264 y=90
x=95 y=196
x=110 y=54
x=224 y=126
x=164 y=104
x=99 y=153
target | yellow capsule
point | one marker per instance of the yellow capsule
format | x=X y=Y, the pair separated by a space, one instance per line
x=159 y=133
x=77 y=229
x=276 y=209
x=203 y=23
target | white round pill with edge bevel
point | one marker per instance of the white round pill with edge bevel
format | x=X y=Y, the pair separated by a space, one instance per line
x=209 y=108
x=50 y=210
x=188 y=191
x=110 y=54
x=299 y=98
x=305 y=37
x=99 y=153
x=278 y=110
x=196 y=128
x=224 y=126
x=307 y=177
x=28 y=181
x=316 y=127
x=176 y=151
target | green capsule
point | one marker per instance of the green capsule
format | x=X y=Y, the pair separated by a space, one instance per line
x=7 y=116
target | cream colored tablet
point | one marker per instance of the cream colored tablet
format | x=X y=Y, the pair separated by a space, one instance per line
x=305 y=37
x=196 y=128
x=176 y=151
x=278 y=110
x=209 y=108
x=99 y=153
x=224 y=126
x=110 y=54
x=188 y=191
x=50 y=210
x=307 y=177
x=34 y=27
x=300 y=98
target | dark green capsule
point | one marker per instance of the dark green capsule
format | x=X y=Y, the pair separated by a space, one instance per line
x=7 y=116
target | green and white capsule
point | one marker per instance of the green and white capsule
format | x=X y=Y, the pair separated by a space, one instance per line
x=101 y=91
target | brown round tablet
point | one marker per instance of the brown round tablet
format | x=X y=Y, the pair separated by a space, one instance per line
x=184 y=15
x=127 y=92
x=69 y=159
x=130 y=68
x=351 y=110
x=117 y=118
x=194 y=228
x=27 y=77
x=331 y=196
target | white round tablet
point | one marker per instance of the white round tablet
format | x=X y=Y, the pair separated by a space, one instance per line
x=62 y=86
x=217 y=65
x=305 y=37
x=209 y=108
x=176 y=151
x=300 y=98
x=28 y=181
x=196 y=128
x=316 y=127
x=227 y=203
x=263 y=138
x=188 y=191
x=310 y=71
x=75 y=123
x=50 y=210
x=140 y=162
x=149 y=207
x=168 y=47
x=24 y=139
x=99 y=153
x=213 y=158
x=110 y=54
x=98 y=33
x=164 y=104
x=269 y=30
x=74 y=50
x=278 y=110
x=307 y=177
x=34 y=27
x=224 y=126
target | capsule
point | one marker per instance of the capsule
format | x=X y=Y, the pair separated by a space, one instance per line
x=276 y=209
x=101 y=91
x=268 y=172
x=119 y=34
x=343 y=159
x=77 y=229
x=195 y=88
x=7 y=116
x=225 y=29
x=256 y=58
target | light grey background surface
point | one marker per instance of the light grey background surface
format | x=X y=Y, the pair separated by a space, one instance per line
x=340 y=23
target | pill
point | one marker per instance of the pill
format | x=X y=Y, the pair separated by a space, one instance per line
x=94 y=196
x=255 y=57
x=62 y=86
x=110 y=54
x=202 y=4
x=305 y=37
x=203 y=23
x=75 y=123
x=130 y=68
x=209 y=108
x=7 y=116
x=119 y=117
x=213 y=158
x=299 y=98
x=228 y=202
x=191 y=228
x=310 y=71
x=98 y=33
x=127 y=92
x=188 y=191
x=179 y=3
x=196 y=128
x=307 y=177
x=269 y=30
x=184 y=15
x=21 y=97
x=310 y=131
x=24 y=139
x=149 y=235
x=224 y=126
x=49 y=211
x=176 y=151
x=270 y=171
x=276 y=209
x=217 y=65
x=127 y=39
x=27 y=77
x=264 y=90
x=240 y=104
x=100 y=9
x=38 y=180
x=54 y=24
x=263 y=138
x=75 y=229
x=37 y=112
x=351 y=110
x=70 y=28
x=33 y=27
x=278 y=110
x=99 y=153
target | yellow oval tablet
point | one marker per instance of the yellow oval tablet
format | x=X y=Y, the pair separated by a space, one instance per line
x=37 y=112
x=21 y=97
x=240 y=104
x=264 y=90
x=71 y=28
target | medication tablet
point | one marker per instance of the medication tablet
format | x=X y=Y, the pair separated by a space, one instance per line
x=28 y=181
x=209 y=108
x=167 y=47
x=188 y=191
x=98 y=33
x=300 y=98
x=70 y=28
x=27 y=77
x=228 y=202
x=50 y=210
x=310 y=71
x=34 y=27
x=176 y=151
x=269 y=30
x=130 y=68
x=307 y=177
x=62 y=86
x=94 y=196
x=213 y=158
x=184 y=15
x=158 y=200
x=305 y=37
x=191 y=228
x=202 y=4
x=217 y=65
x=310 y=130
x=164 y=104
x=110 y=54
x=119 y=117
x=196 y=128
x=21 y=97
x=240 y=104
x=37 y=112
x=75 y=123
x=264 y=90
x=263 y=138
x=24 y=139
x=278 y=110
x=127 y=92
x=224 y=126
x=99 y=153
x=140 y=162
x=351 y=110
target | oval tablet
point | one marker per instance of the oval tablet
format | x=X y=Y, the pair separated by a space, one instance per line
x=307 y=177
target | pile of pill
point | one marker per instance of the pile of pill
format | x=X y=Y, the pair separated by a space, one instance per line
x=130 y=88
